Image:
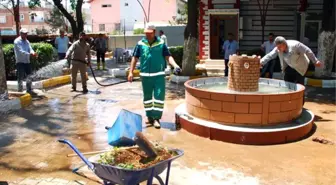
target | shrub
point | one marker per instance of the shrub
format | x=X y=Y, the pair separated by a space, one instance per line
x=138 y=31
x=44 y=51
x=177 y=54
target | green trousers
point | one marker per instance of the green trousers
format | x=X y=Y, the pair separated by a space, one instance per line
x=154 y=86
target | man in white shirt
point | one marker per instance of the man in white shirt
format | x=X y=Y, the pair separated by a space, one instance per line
x=267 y=47
x=294 y=59
x=163 y=37
x=62 y=43
x=230 y=47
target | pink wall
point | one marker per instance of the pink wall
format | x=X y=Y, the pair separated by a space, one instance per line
x=161 y=10
x=108 y=16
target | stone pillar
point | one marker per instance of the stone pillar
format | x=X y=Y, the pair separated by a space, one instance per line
x=244 y=73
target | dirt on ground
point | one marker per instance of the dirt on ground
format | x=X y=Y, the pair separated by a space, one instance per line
x=134 y=158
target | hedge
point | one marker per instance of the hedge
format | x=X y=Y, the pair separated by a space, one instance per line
x=177 y=54
x=44 y=51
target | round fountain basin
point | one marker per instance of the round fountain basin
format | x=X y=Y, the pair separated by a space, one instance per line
x=275 y=102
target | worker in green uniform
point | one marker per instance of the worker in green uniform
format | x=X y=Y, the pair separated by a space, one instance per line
x=153 y=54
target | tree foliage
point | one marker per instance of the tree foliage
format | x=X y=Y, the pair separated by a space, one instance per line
x=75 y=19
x=13 y=7
x=55 y=19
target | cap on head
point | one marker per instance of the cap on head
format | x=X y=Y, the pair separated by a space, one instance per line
x=23 y=30
x=150 y=29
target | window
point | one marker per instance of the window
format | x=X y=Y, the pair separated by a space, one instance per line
x=2 y=19
x=21 y=17
x=101 y=27
x=106 y=5
x=312 y=29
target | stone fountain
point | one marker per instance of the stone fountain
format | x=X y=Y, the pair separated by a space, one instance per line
x=243 y=108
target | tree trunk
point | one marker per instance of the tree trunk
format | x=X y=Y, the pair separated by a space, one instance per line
x=75 y=29
x=3 y=82
x=79 y=16
x=326 y=40
x=16 y=12
x=326 y=51
x=190 y=40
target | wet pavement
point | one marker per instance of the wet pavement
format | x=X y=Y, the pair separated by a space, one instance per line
x=30 y=153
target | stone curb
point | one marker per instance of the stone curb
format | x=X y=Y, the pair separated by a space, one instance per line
x=16 y=103
x=313 y=82
x=183 y=79
x=308 y=81
x=48 y=83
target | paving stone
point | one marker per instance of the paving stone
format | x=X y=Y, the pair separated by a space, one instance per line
x=29 y=182
x=48 y=183
x=77 y=183
x=62 y=181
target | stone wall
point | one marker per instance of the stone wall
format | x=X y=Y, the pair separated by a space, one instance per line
x=244 y=73
x=244 y=109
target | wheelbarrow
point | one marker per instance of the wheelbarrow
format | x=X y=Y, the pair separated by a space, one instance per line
x=112 y=175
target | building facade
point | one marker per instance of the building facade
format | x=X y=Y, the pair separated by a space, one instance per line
x=33 y=20
x=109 y=16
x=288 y=18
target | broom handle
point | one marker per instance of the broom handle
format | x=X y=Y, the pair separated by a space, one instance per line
x=88 y=153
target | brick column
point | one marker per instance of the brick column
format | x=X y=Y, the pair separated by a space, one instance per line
x=244 y=73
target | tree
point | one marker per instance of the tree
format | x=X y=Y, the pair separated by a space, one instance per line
x=3 y=82
x=326 y=40
x=190 y=40
x=55 y=19
x=263 y=14
x=75 y=20
x=13 y=7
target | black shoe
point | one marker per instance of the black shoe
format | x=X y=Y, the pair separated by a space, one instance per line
x=157 y=124
x=85 y=90
x=32 y=93
x=73 y=89
x=150 y=121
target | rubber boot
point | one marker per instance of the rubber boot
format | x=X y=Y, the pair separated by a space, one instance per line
x=104 y=66
x=98 y=65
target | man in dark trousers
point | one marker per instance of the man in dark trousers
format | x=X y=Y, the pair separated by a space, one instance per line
x=294 y=59
x=153 y=54
x=101 y=47
x=78 y=52
x=230 y=47
x=23 y=51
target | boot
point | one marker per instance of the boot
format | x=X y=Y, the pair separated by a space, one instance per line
x=98 y=65
x=104 y=66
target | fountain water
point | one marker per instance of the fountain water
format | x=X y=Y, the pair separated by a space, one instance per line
x=243 y=108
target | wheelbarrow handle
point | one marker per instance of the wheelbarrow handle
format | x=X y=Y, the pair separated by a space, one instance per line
x=86 y=161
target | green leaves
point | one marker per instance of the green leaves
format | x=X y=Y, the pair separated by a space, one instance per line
x=34 y=3
x=73 y=4
x=44 y=51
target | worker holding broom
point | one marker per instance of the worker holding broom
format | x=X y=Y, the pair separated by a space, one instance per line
x=153 y=54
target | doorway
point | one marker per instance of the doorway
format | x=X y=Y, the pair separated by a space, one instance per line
x=220 y=26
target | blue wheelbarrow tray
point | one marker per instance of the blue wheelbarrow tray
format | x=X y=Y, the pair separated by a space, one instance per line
x=117 y=175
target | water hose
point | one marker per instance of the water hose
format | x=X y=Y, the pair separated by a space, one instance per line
x=94 y=76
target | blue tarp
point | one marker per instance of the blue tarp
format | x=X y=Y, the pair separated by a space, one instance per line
x=124 y=128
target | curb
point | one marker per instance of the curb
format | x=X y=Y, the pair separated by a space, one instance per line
x=48 y=83
x=183 y=79
x=16 y=103
x=308 y=81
